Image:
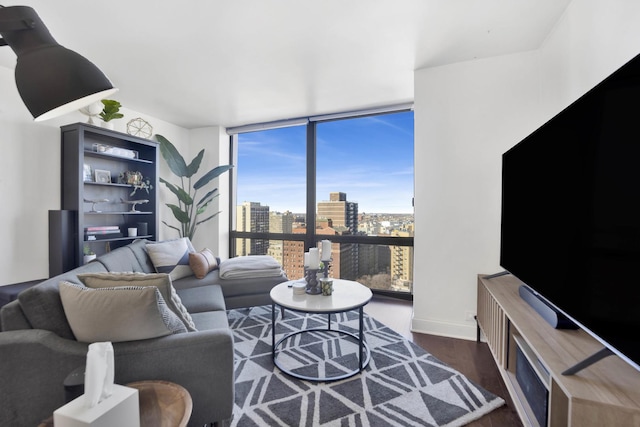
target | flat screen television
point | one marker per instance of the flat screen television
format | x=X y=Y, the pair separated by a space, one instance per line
x=570 y=225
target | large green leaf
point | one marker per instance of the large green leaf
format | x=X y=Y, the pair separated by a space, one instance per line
x=180 y=215
x=208 y=195
x=173 y=158
x=208 y=218
x=213 y=173
x=182 y=195
x=171 y=226
x=195 y=164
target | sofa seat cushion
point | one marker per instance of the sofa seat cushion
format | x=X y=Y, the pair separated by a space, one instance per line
x=41 y=304
x=257 y=285
x=201 y=299
x=160 y=280
x=211 y=320
x=117 y=314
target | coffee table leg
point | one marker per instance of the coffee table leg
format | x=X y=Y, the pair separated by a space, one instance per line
x=273 y=330
x=361 y=342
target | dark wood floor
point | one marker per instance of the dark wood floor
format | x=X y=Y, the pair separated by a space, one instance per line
x=472 y=359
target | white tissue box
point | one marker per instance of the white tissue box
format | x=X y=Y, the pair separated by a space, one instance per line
x=120 y=409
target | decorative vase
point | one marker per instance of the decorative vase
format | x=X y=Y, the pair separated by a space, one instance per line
x=107 y=125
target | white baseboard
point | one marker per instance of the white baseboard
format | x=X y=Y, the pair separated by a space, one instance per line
x=466 y=331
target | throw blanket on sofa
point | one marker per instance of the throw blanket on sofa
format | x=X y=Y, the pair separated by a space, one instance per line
x=243 y=267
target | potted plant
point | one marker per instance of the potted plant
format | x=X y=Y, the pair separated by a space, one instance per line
x=110 y=111
x=188 y=209
x=89 y=255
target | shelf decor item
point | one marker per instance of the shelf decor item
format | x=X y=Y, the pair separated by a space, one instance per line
x=102 y=176
x=133 y=203
x=139 y=127
x=92 y=111
x=130 y=177
x=87 y=176
x=135 y=179
x=89 y=255
x=110 y=112
x=188 y=209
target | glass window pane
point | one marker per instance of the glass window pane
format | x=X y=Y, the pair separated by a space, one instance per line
x=271 y=183
x=367 y=161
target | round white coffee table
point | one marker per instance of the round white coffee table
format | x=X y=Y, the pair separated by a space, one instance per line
x=347 y=295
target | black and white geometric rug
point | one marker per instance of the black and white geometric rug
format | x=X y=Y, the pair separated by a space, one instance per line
x=403 y=385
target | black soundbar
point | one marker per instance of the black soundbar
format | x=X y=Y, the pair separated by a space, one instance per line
x=549 y=313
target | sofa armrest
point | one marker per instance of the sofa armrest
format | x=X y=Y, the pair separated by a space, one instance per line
x=33 y=366
x=202 y=362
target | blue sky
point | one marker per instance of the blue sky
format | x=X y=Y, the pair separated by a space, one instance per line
x=369 y=158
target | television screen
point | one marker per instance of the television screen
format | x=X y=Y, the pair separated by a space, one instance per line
x=571 y=212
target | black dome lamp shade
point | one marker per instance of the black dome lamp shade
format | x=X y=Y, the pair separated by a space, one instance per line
x=51 y=79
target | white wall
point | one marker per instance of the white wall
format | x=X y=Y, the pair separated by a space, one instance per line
x=213 y=234
x=466 y=116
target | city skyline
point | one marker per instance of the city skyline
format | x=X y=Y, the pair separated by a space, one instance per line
x=369 y=158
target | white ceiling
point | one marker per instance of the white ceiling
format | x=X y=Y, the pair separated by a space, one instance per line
x=233 y=62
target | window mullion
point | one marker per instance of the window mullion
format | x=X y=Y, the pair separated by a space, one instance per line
x=311 y=186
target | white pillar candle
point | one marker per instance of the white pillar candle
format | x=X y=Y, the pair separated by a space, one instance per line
x=326 y=250
x=314 y=258
x=306 y=259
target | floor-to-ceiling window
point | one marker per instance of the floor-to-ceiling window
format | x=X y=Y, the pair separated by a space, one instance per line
x=347 y=180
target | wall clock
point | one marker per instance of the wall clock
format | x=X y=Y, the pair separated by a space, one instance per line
x=139 y=127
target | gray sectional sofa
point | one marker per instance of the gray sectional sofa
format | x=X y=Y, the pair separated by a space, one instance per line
x=38 y=348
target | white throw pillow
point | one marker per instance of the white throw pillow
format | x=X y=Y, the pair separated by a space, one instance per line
x=171 y=257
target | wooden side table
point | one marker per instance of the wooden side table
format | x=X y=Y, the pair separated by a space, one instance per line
x=163 y=404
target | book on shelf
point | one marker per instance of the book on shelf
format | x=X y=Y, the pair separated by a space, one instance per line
x=102 y=228
x=90 y=237
x=102 y=232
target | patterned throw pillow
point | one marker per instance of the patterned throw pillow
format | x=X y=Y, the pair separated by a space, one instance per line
x=160 y=280
x=171 y=257
x=202 y=262
x=127 y=313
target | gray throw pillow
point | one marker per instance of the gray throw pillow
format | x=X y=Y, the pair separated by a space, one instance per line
x=160 y=280
x=127 y=313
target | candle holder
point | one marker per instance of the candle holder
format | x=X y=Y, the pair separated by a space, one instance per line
x=311 y=277
x=325 y=268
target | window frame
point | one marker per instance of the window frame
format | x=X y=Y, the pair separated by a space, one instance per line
x=310 y=238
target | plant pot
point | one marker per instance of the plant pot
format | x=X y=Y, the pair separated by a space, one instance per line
x=107 y=125
x=87 y=258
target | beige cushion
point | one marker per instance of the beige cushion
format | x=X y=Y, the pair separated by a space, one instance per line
x=202 y=262
x=160 y=280
x=171 y=257
x=117 y=314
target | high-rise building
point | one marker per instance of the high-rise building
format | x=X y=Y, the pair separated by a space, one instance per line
x=293 y=256
x=343 y=216
x=279 y=223
x=341 y=212
x=402 y=263
x=251 y=216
